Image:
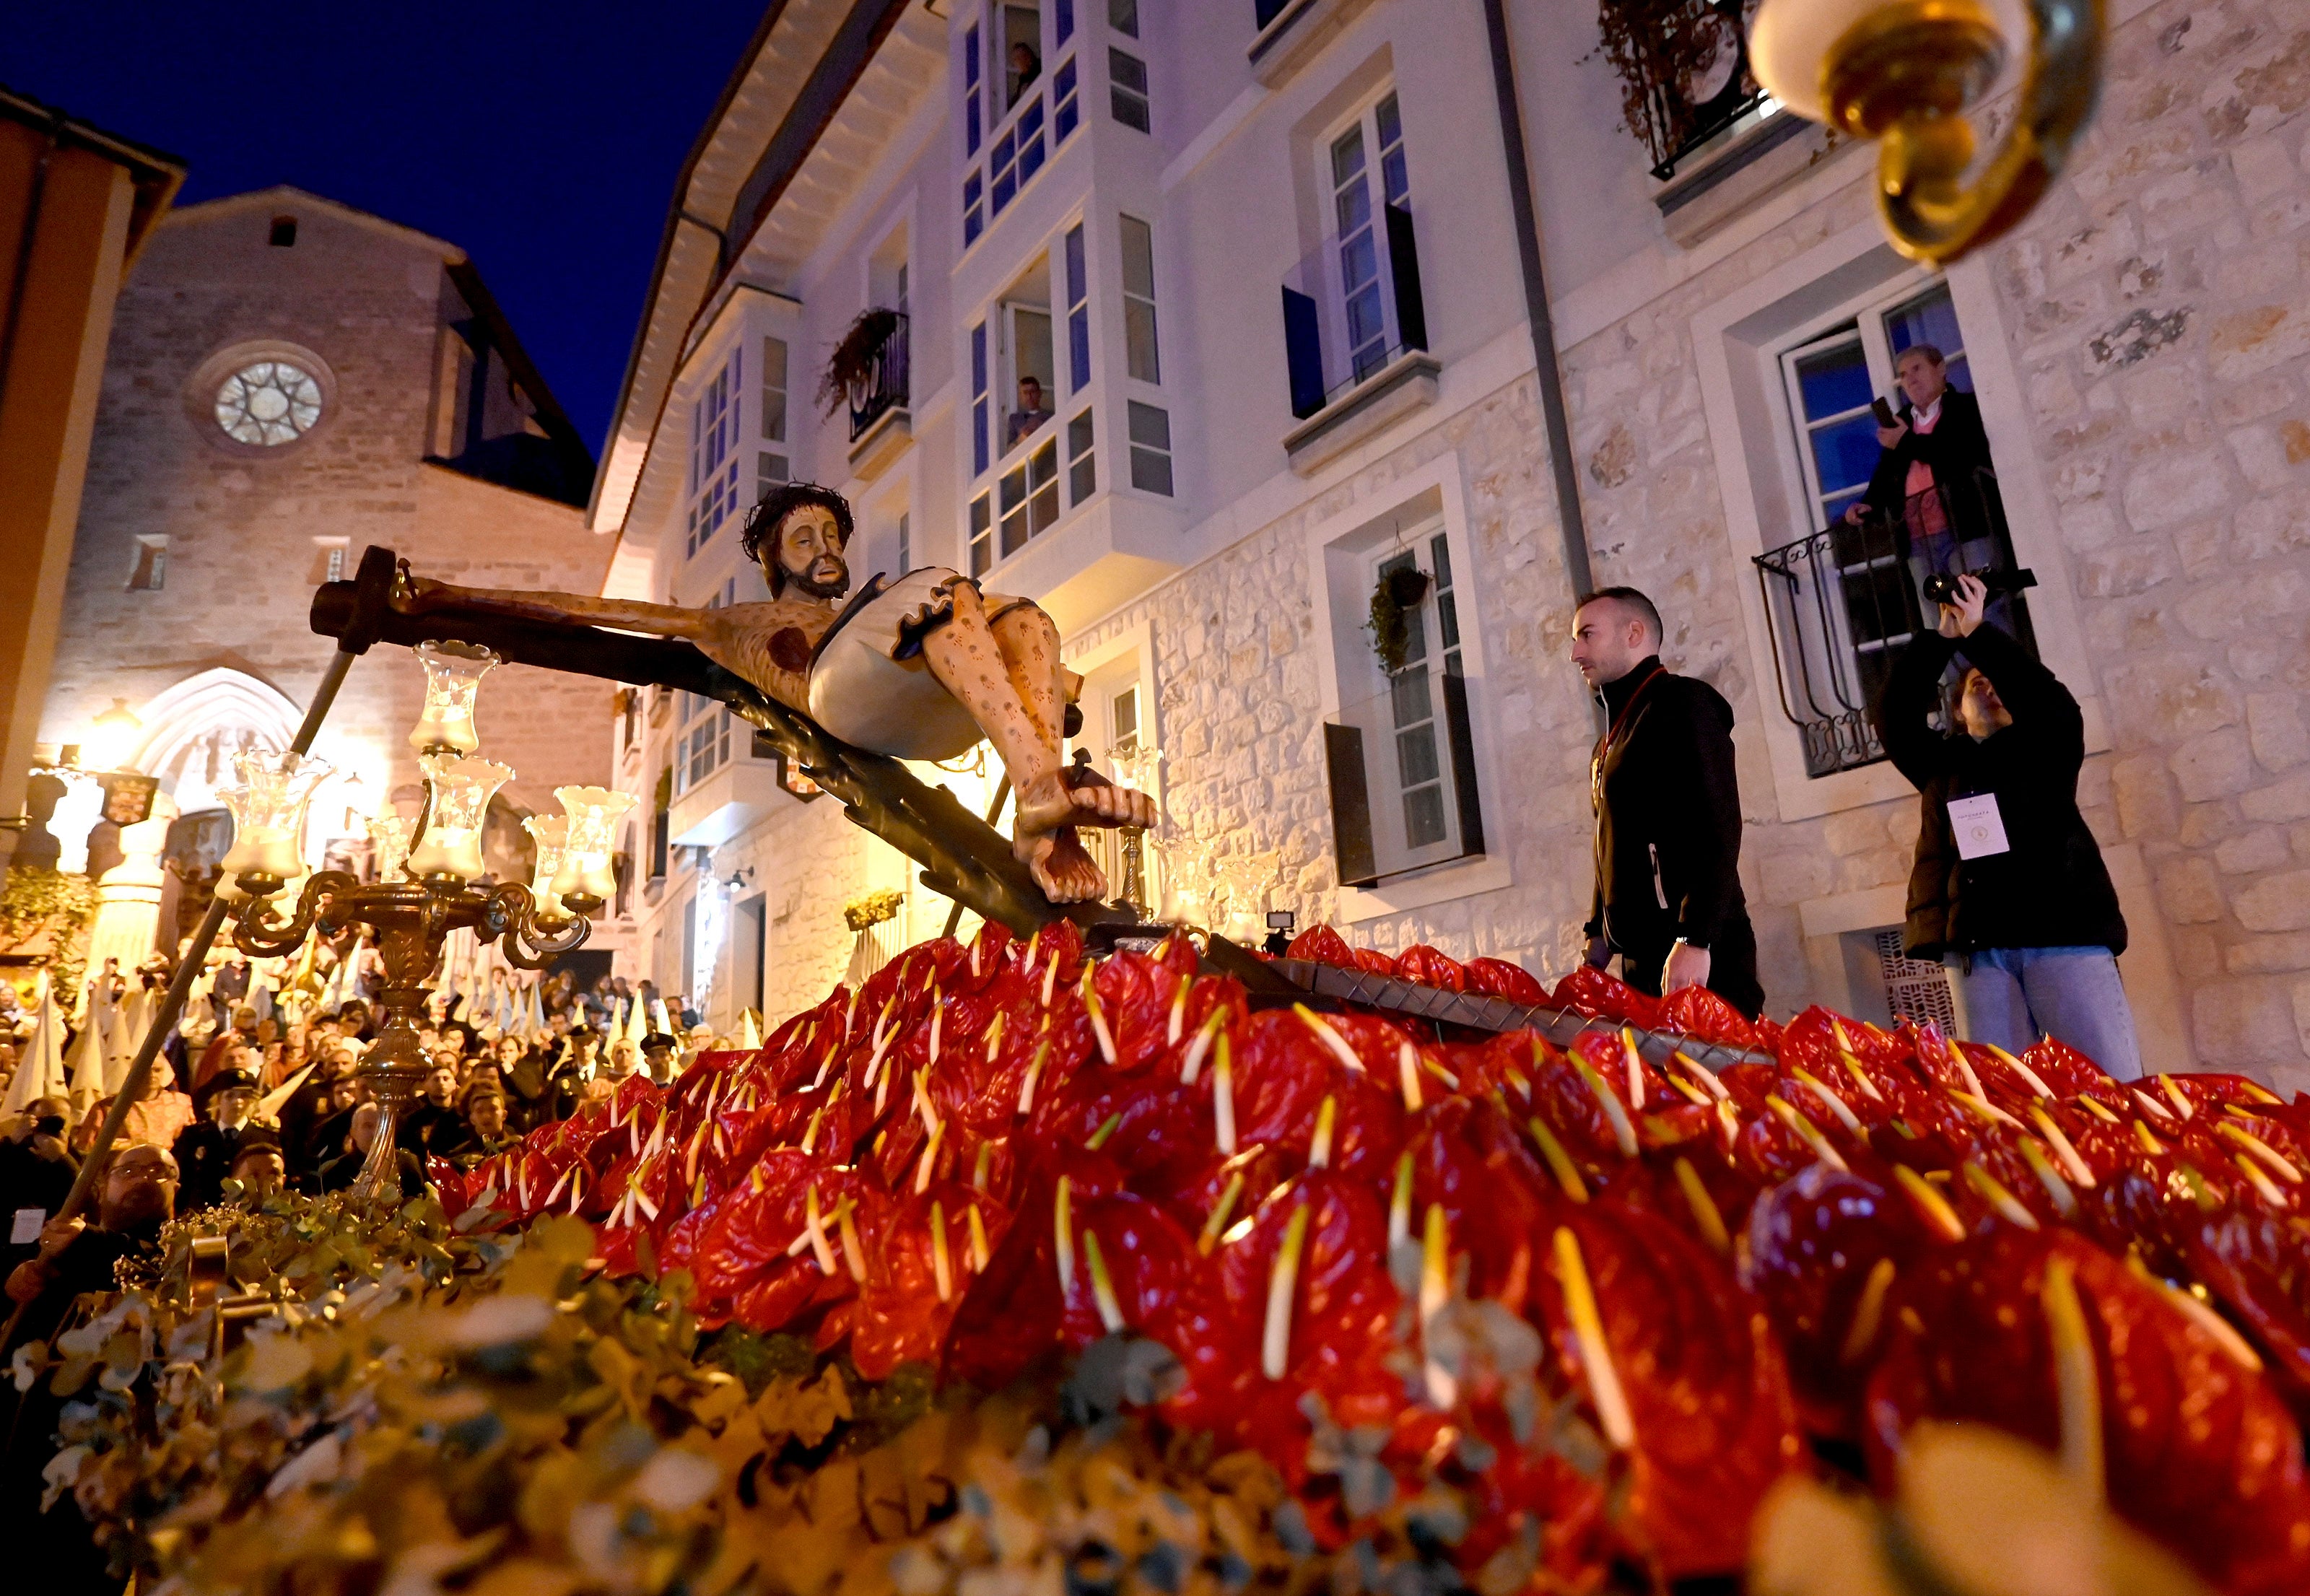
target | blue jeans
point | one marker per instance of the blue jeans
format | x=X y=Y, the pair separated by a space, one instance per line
x=2014 y=995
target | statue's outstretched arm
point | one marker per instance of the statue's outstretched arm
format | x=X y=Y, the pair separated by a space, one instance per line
x=421 y=594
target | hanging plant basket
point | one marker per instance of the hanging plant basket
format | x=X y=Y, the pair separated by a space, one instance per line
x=1395 y=596
x=850 y=370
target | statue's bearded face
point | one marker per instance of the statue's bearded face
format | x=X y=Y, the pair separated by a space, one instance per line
x=808 y=552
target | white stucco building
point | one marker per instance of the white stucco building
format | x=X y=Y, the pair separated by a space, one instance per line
x=1295 y=332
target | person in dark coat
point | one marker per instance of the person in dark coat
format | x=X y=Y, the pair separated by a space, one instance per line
x=1668 y=813
x=432 y=1125
x=340 y=1173
x=37 y=1169
x=135 y=1195
x=204 y=1149
x=2008 y=884
x=1935 y=480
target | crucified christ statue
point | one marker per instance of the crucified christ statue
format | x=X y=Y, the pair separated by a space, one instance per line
x=919 y=667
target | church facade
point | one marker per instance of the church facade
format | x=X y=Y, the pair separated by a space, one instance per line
x=1297 y=355
x=289 y=381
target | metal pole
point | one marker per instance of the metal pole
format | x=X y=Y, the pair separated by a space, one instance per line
x=172 y=1002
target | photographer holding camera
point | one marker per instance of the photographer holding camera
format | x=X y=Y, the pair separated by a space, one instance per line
x=2009 y=886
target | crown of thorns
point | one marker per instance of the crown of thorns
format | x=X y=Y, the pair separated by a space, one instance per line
x=763 y=520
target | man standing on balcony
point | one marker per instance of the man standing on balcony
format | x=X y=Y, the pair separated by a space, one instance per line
x=920 y=666
x=1668 y=813
x=1934 y=481
x=1032 y=412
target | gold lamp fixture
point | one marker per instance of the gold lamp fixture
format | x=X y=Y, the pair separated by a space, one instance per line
x=1907 y=73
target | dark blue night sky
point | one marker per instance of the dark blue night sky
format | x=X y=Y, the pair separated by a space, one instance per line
x=543 y=139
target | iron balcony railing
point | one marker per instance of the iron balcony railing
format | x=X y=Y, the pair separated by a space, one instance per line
x=1685 y=76
x=1842 y=602
x=884 y=387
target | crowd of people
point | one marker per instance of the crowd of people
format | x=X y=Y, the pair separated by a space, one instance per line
x=262 y=1087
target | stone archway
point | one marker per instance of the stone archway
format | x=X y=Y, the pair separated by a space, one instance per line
x=192 y=731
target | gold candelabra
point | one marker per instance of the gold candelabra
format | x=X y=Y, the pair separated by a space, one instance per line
x=427 y=888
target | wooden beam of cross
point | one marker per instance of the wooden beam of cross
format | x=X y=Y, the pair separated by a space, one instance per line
x=962 y=856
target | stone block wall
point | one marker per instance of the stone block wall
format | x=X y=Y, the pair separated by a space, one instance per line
x=242 y=560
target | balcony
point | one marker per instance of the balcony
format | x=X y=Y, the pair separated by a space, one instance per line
x=1717 y=143
x=1294 y=32
x=1355 y=338
x=1844 y=601
x=872 y=374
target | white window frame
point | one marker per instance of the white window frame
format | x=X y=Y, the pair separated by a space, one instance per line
x=711 y=497
x=1340 y=549
x=1860 y=320
x=1337 y=291
x=1737 y=340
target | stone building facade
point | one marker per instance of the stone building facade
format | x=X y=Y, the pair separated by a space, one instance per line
x=390 y=406
x=2137 y=347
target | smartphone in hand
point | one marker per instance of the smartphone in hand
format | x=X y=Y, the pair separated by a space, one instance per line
x=1884 y=413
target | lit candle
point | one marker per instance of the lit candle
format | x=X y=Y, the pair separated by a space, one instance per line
x=585 y=871
x=268 y=817
x=461 y=788
x=552 y=833
x=453 y=678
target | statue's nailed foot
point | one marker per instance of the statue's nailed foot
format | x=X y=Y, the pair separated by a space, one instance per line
x=1079 y=796
x=1060 y=866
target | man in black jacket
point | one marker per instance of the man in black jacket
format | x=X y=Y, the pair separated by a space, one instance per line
x=2008 y=884
x=1936 y=479
x=1668 y=813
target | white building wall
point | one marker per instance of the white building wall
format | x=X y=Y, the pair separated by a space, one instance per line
x=2152 y=481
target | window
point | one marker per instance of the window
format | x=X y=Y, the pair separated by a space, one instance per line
x=770 y=470
x=1844 y=597
x=982 y=534
x=1078 y=312
x=973 y=209
x=624 y=863
x=1151 y=448
x=713 y=453
x=1126 y=78
x=1122 y=721
x=973 y=117
x=1063 y=20
x=1066 y=110
x=330 y=565
x=1031 y=141
x=701 y=742
x=285 y=233
x=1355 y=213
x=906 y=548
x=150 y=573
x=1139 y=300
x=1030 y=497
x=774 y=389
x=1402 y=763
x=1022 y=50
x=979 y=460
x=268 y=402
x=1082 y=470
x=1123 y=17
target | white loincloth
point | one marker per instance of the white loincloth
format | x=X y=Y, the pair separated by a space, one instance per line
x=869 y=684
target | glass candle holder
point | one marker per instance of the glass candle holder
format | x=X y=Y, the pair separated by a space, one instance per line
x=268 y=817
x=551 y=834
x=459 y=789
x=453 y=680
x=585 y=874
x=390 y=836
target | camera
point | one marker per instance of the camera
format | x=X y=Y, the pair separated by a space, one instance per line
x=1940 y=587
